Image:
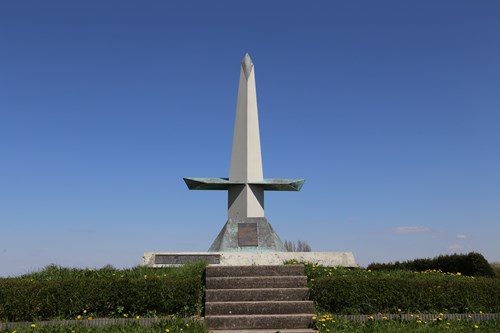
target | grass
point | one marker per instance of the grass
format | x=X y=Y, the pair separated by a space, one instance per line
x=328 y=324
x=55 y=272
x=315 y=271
x=174 y=325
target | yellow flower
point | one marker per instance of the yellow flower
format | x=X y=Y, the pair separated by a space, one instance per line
x=14 y=331
x=369 y=271
x=137 y=317
x=90 y=318
x=476 y=326
x=458 y=273
x=78 y=317
x=384 y=318
x=399 y=310
x=167 y=330
x=313 y=317
x=370 y=317
x=33 y=325
x=84 y=311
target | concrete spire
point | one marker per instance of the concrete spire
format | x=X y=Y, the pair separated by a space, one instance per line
x=246 y=229
x=246 y=160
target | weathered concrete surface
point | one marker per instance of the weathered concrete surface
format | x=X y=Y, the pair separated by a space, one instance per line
x=329 y=259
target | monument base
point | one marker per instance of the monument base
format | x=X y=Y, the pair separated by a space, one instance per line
x=329 y=259
x=250 y=234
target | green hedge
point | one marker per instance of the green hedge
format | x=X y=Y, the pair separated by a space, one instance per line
x=472 y=264
x=357 y=294
x=67 y=294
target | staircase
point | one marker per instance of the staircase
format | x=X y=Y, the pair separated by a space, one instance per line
x=263 y=298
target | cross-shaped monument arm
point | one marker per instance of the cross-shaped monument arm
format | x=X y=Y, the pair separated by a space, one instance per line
x=225 y=184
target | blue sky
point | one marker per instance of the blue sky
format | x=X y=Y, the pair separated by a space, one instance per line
x=389 y=109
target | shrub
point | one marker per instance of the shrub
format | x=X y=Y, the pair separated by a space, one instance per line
x=360 y=291
x=67 y=293
x=472 y=264
x=496 y=268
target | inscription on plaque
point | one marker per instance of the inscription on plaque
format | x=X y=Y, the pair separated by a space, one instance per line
x=176 y=259
x=247 y=234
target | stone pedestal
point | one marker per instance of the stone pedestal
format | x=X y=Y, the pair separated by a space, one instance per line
x=236 y=258
x=253 y=234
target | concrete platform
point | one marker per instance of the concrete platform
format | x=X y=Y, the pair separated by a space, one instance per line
x=329 y=259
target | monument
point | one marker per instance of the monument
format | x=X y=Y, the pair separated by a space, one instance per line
x=247 y=238
x=246 y=229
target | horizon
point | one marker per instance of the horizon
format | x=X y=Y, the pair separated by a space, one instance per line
x=390 y=111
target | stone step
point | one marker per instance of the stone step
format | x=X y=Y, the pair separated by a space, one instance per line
x=275 y=322
x=255 y=282
x=258 y=294
x=234 y=271
x=289 y=330
x=237 y=308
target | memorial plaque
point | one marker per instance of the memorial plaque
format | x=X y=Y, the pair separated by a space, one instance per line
x=181 y=259
x=247 y=234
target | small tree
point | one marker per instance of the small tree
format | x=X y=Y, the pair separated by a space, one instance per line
x=300 y=246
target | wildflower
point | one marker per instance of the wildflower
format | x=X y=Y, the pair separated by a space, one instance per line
x=79 y=317
x=14 y=331
x=369 y=271
x=84 y=311
x=370 y=317
x=137 y=317
x=476 y=326
x=399 y=310
x=187 y=325
x=167 y=330
x=481 y=312
x=458 y=273
x=33 y=325
x=90 y=318
x=314 y=317
x=384 y=318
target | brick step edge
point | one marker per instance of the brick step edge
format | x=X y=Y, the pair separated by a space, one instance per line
x=279 y=321
x=286 y=330
x=234 y=271
x=255 y=308
x=257 y=294
x=255 y=282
